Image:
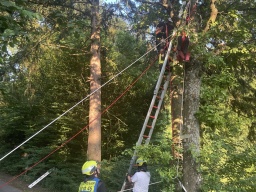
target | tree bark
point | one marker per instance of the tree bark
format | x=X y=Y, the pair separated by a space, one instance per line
x=94 y=138
x=190 y=131
x=214 y=13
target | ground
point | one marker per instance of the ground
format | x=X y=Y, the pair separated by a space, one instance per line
x=21 y=184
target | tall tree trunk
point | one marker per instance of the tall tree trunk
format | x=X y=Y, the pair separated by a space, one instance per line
x=94 y=138
x=191 y=128
x=190 y=131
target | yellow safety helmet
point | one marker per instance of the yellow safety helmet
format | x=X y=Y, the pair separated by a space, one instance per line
x=140 y=161
x=89 y=167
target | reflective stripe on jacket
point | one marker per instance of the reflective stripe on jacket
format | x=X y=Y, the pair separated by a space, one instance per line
x=89 y=185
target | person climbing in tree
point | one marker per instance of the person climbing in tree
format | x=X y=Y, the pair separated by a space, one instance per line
x=160 y=35
x=169 y=28
x=141 y=178
x=164 y=30
x=182 y=47
x=91 y=183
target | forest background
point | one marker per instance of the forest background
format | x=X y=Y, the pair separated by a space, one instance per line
x=44 y=71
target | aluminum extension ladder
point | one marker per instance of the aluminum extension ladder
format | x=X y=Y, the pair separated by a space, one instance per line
x=155 y=106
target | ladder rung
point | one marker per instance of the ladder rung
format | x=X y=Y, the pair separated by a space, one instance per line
x=158 y=97
x=149 y=126
x=155 y=107
x=145 y=136
x=153 y=117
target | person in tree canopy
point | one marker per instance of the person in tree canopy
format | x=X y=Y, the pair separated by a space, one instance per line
x=91 y=183
x=182 y=47
x=160 y=35
x=141 y=178
x=163 y=31
x=169 y=28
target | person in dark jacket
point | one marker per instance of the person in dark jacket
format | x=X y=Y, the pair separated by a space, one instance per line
x=160 y=35
x=92 y=183
x=163 y=32
x=182 y=47
x=169 y=27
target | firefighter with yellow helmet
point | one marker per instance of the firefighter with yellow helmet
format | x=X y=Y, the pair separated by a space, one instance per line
x=141 y=178
x=91 y=183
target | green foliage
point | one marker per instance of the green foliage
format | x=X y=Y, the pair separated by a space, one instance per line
x=11 y=29
x=63 y=179
x=54 y=77
x=122 y=123
x=226 y=154
x=47 y=72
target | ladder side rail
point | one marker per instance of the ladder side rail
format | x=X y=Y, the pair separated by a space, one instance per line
x=151 y=105
x=160 y=78
x=164 y=65
x=157 y=88
x=144 y=126
x=166 y=84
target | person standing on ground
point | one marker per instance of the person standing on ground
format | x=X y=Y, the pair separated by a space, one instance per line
x=91 y=183
x=141 y=178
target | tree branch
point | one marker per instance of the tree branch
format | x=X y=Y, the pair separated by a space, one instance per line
x=59 y=5
x=214 y=13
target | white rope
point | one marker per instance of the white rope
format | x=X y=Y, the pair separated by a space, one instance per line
x=182 y=186
x=74 y=106
x=149 y=184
